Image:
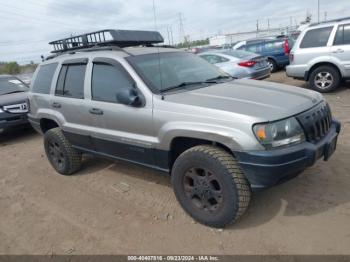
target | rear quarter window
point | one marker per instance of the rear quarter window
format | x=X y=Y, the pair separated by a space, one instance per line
x=43 y=80
x=316 y=37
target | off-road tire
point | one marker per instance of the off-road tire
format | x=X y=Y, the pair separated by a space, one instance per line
x=235 y=187
x=70 y=158
x=272 y=65
x=336 y=78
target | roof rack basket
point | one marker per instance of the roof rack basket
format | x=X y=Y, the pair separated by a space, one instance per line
x=109 y=37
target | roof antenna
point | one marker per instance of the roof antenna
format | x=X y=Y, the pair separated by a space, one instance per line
x=159 y=67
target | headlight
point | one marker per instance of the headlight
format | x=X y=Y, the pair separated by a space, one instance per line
x=280 y=133
x=1 y=111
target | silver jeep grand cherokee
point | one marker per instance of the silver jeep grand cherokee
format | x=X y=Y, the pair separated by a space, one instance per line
x=218 y=137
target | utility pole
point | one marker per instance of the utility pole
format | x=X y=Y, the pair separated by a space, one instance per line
x=167 y=29
x=268 y=25
x=257 y=27
x=171 y=35
x=181 y=28
x=325 y=16
x=318 y=11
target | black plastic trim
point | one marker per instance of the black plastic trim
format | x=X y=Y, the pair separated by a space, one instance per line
x=267 y=168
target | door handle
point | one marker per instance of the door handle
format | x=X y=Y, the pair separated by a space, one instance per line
x=96 y=111
x=338 y=51
x=56 y=105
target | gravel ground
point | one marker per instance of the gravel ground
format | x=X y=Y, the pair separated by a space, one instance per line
x=117 y=208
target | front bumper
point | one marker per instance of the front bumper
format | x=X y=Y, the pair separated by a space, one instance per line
x=8 y=120
x=267 y=168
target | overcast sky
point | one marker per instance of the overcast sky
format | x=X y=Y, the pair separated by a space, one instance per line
x=27 y=26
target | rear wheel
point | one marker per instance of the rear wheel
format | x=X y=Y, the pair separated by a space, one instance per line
x=62 y=156
x=210 y=186
x=272 y=64
x=324 y=79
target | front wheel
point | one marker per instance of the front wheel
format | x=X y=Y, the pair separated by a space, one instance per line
x=210 y=186
x=324 y=79
x=62 y=156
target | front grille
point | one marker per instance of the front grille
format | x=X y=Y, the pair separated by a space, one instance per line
x=316 y=122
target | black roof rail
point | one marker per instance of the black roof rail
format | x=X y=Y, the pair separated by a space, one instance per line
x=331 y=21
x=108 y=37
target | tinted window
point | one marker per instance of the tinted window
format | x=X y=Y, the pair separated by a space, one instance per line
x=71 y=81
x=60 y=81
x=273 y=46
x=107 y=81
x=255 y=48
x=343 y=35
x=42 y=83
x=316 y=37
x=215 y=59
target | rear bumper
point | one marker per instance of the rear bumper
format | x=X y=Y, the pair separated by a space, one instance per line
x=296 y=71
x=271 y=167
x=262 y=74
x=8 y=120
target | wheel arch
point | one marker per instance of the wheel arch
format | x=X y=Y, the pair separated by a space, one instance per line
x=313 y=67
x=47 y=123
x=180 y=144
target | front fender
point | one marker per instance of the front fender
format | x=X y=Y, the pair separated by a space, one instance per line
x=232 y=138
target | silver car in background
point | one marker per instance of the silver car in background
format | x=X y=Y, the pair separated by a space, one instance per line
x=239 y=63
x=321 y=55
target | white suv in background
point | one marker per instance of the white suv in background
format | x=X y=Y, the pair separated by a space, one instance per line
x=321 y=55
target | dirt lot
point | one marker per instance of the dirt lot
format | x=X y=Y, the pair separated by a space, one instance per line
x=118 y=208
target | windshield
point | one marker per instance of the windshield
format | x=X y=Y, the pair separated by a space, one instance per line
x=11 y=85
x=166 y=70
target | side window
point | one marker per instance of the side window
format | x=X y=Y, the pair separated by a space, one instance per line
x=214 y=59
x=273 y=46
x=107 y=81
x=254 y=48
x=316 y=37
x=43 y=80
x=343 y=35
x=71 y=81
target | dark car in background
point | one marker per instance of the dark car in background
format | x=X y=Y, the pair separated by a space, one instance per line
x=276 y=49
x=13 y=103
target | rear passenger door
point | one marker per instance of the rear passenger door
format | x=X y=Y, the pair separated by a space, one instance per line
x=69 y=101
x=341 y=47
x=121 y=131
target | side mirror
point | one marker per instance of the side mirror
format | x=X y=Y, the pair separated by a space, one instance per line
x=130 y=97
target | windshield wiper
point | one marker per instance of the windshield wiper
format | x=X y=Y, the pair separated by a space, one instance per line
x=18 y=91
x=184 y=84
x=221 y=77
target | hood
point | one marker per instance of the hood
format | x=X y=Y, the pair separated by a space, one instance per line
x=13 y=98
x=259 y=99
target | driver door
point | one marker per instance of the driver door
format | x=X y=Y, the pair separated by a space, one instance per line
x=120 y=131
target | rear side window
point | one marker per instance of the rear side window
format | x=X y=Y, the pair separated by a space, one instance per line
x=255 y=48
x=71 y=81
x=316 y=37
x=343 y=35
x=43 y=80
x=215 y=59
x=273 y=46
x=107 y=81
